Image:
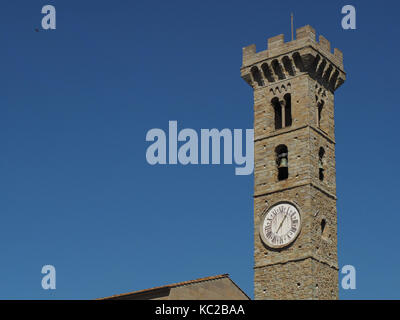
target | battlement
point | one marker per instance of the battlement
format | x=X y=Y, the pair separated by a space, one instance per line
x=305 y=36
x=283 y=60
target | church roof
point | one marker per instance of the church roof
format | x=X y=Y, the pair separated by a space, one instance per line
x=174 y=285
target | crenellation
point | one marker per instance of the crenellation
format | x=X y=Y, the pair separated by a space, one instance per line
x=324 y=43
x=249 y=51
x=276 y=42
x=305 y=33
x=338 y=54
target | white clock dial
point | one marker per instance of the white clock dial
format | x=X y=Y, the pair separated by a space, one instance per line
x=281 y=225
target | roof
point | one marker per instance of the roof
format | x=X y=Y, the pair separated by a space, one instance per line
x=174 y=285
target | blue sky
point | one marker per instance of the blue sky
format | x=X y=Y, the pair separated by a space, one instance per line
x=76 y=104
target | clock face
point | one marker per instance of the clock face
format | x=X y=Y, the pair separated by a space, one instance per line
x=281 y=225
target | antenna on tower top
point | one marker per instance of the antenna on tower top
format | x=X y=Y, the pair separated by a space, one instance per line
x=291 y=23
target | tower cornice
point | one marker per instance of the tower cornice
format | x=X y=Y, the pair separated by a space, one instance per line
x=305 y=254
x=292 y=129
x=298 y=185
x=284 y=60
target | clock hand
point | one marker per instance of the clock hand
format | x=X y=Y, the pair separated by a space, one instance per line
x=281 y=223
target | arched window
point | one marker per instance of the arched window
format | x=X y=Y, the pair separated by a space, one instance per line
x=282 y=161
x=282 y=111
x=321 y=168
x=278 y=113
x=288 y=110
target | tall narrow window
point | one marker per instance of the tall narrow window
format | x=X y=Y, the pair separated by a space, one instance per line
x=323 y=224
x=278 y=113
x=320 y=106
x=321 y=168
x=282 y=162
x=288 y=110
x=325 y=229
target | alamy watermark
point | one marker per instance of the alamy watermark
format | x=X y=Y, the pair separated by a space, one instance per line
x=193 y=151
x=349 y=278
x=49 y=280
x=49 y=20
x=349 y=20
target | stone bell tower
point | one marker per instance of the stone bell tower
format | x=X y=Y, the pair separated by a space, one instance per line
x=295 y=219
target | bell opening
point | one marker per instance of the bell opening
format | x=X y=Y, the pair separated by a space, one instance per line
x=283 y=173
x=282 y=162
x=321 y=174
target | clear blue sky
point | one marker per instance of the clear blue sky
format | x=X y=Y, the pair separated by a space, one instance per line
x=76 y=103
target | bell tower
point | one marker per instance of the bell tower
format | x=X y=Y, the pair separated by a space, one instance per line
x=295 y=218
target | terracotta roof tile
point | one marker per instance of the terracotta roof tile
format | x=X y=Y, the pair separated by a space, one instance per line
x=174 y=285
